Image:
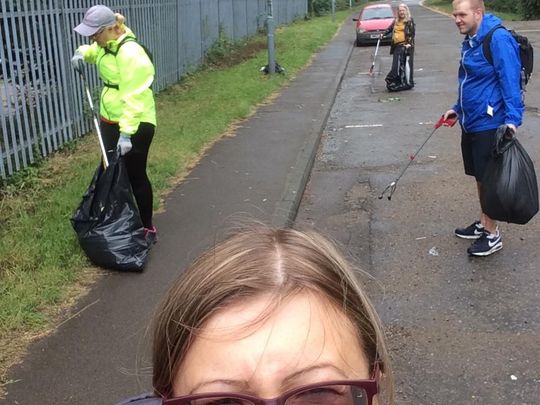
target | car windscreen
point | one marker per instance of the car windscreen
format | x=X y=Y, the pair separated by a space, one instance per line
x=377 y=13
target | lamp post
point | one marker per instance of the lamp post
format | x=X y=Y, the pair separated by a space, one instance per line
x=270 y=37
x=333 y=10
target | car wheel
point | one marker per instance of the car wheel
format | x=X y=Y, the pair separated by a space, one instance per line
x=358 y=42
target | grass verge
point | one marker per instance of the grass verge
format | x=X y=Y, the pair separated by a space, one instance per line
x=446 y=6
x=42 y=269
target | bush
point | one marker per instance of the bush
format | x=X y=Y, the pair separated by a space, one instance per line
x=503 y=5
x=322 y=7
x=529 y=9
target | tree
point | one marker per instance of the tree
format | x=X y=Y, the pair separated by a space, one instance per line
x=529 y=9
x=322 y=7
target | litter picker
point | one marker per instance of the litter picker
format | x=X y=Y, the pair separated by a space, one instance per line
x=95 y=118
x=449 y=122
x=375 y=56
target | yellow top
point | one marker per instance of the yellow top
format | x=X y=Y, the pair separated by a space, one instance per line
x=398 y=35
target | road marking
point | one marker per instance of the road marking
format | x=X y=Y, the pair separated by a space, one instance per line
x=364 y=126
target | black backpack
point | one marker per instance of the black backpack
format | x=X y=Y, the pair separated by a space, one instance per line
x=131 y=39
x=114 y=53
x=526 y=53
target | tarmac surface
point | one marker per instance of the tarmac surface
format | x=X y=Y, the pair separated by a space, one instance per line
x=461 y=330
x=102 y=355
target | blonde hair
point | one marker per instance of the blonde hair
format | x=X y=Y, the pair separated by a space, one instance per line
x=255 y=261
x=407 y=11
x=120 y=19
x=475 y=4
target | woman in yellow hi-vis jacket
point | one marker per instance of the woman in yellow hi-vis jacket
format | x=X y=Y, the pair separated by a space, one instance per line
x=127 y=108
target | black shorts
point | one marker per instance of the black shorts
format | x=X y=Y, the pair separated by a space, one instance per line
x=477 y=148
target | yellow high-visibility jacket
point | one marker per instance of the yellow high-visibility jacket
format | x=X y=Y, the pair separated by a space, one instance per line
x=126 y=97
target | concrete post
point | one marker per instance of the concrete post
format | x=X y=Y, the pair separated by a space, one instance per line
x=333 y=10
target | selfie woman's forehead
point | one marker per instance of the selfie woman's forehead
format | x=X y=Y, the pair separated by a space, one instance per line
x=303 y=341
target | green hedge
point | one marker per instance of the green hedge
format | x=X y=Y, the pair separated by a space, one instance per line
x=527 y=9
x=322 y=7
x=503 y=5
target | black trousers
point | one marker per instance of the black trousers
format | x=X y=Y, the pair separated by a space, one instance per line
x=136 y=161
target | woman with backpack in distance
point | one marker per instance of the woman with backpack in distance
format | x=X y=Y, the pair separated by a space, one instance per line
x=127 y=106
x=403 y=31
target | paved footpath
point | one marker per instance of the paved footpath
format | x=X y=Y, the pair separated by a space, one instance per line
x=101 y=355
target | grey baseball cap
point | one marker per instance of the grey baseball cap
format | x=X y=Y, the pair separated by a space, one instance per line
x=95 y=18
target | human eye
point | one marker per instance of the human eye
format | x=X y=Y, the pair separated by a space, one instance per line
x=329 y=395
x=220 y=401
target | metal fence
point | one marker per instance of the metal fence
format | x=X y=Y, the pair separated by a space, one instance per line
x=42 y=103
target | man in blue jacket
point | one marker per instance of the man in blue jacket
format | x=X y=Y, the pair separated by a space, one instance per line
x=489 y=96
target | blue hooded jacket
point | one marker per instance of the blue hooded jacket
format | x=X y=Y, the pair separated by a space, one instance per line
x=489 y=95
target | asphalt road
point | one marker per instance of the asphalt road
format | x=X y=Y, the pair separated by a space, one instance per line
x=461 y=330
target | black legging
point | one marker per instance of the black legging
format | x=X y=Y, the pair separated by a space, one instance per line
x=135 y=161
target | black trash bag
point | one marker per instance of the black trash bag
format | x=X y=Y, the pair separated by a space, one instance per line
x=509 y=186
x=400 y=79
x=107 y=221
x=277 y=68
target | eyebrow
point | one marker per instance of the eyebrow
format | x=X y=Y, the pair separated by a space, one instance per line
x=238 y=384
x=244 y=384
x=316 y=367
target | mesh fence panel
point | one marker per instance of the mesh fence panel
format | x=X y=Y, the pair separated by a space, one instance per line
x=42 y=100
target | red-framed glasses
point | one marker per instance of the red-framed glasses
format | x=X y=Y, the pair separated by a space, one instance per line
x=339 y=392
x=346 y=392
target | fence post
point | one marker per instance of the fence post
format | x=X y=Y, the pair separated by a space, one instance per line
x=270 y=35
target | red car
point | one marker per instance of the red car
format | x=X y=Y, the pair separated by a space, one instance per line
x=373 y=20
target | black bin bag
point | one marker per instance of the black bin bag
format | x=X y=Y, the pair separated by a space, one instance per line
x=509 y=187
x=107 y=221
x=401 y=79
